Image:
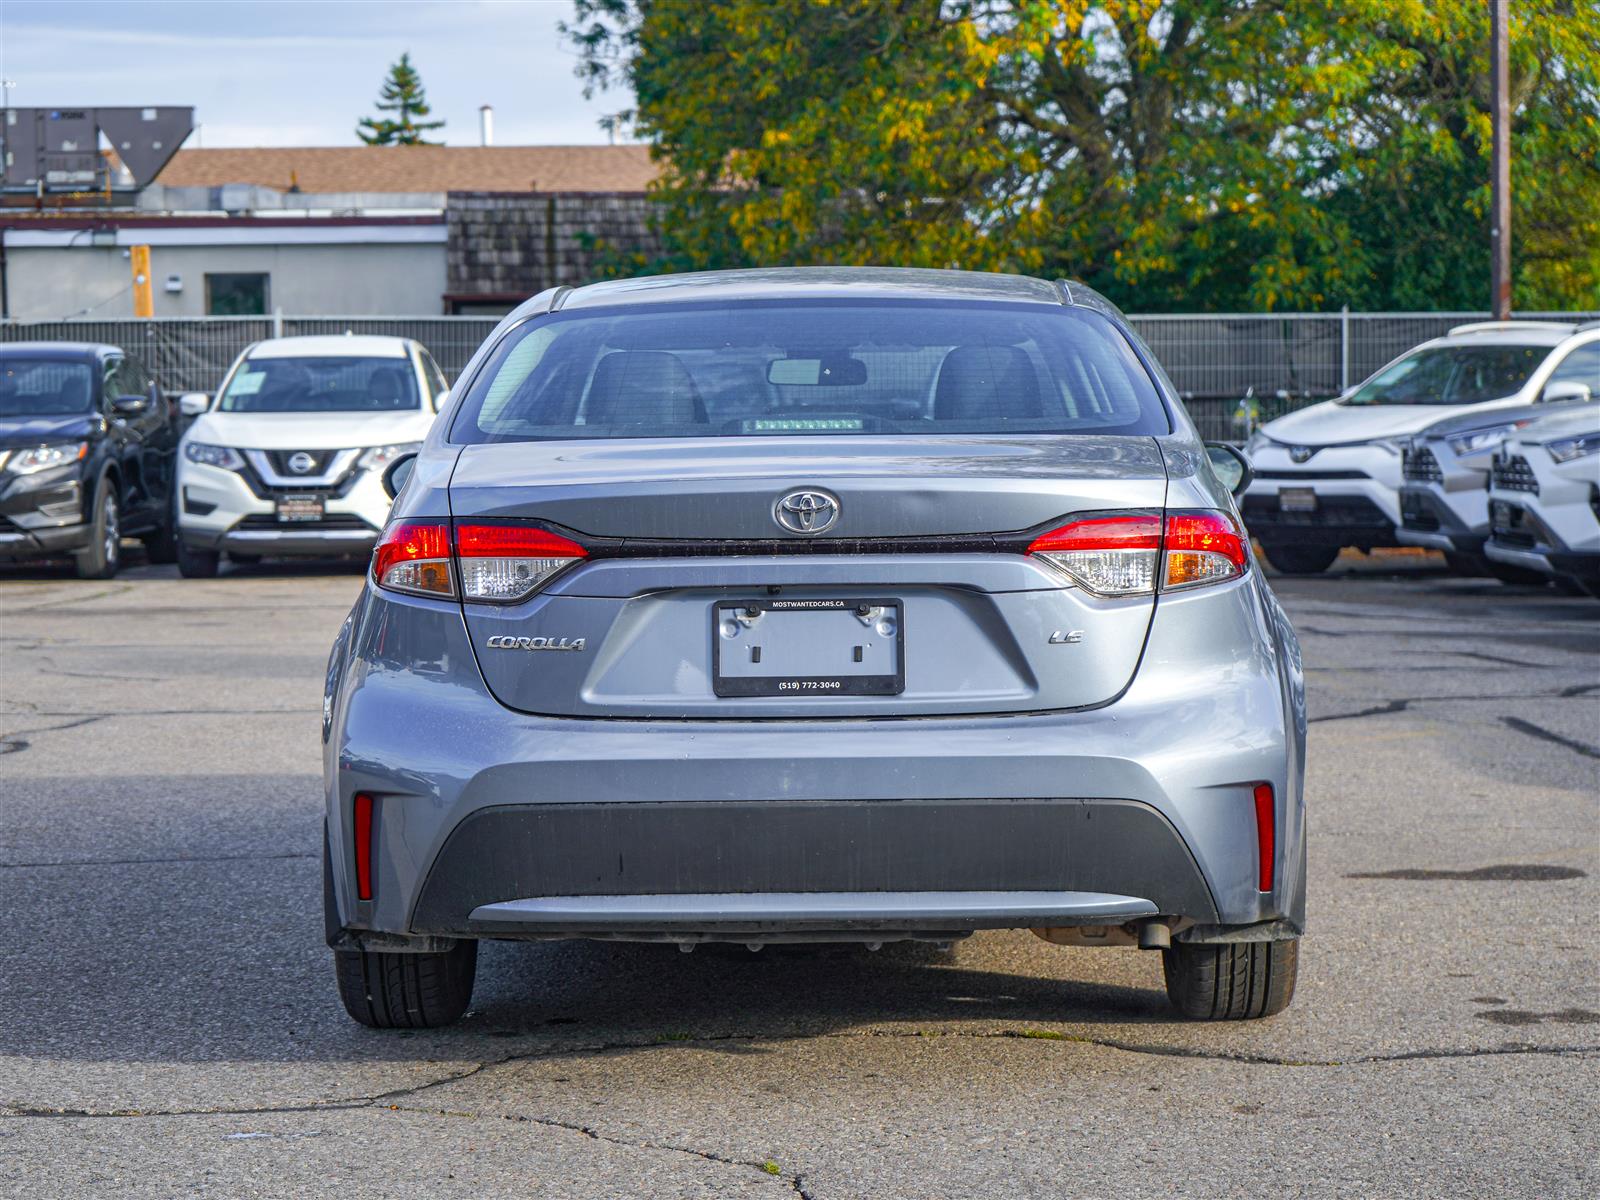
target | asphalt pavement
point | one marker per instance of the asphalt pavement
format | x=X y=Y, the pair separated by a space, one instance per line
x=169 y=1025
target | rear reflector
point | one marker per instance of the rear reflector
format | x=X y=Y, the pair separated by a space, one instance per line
x=1119 y=554
x=363 y=845
x=414 y=557
x=505 y=563
x=1266 y=836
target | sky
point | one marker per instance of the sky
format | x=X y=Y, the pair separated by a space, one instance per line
x=304 y=72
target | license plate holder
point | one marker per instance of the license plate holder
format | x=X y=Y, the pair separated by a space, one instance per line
x=296 y=509
x=1297 y=500
x=808 y=647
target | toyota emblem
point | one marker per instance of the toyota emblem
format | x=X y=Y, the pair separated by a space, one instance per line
x=810 y=511
x=301 y=463
x=1301 y=454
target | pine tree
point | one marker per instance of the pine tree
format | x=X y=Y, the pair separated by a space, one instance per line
x=401 y=94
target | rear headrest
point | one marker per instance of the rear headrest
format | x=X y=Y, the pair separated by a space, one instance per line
x=385 y=386
x=978 y=382
x=643 y=387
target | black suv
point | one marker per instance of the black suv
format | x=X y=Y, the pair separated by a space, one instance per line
x=87 y=445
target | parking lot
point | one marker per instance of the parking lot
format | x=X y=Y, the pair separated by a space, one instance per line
x=169 y=1024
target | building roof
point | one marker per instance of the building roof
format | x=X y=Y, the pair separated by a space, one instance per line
x=418 y=168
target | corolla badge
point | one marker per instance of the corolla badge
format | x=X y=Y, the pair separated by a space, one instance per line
x=1300 y=454
x=809 y=511
x=301 y=463
x=507 y=642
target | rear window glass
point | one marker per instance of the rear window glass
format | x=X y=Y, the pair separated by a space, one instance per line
x=319 y=384
x=781 y=369
x=44 y=387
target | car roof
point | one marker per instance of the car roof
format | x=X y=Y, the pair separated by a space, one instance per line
x=784 y=283
x=58 y=349
x=332 y=346
x=1505 y=333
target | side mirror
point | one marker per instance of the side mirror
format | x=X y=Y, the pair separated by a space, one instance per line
x=394 y=478
x=1567 y=390
x=1230 y=466
x=441 y=400
x=130 y=406
x=193 y=404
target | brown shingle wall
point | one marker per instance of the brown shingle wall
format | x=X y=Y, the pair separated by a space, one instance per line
x=503 y=245
x=419 y=168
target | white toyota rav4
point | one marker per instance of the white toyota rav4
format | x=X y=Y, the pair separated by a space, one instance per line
x=289 y=457
x=1329 y=476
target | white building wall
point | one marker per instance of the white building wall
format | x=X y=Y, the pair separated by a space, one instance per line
x=48 y=283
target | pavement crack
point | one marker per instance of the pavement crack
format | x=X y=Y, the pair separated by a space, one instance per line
x=15 y=742
x=590 y=1131
x=1539 y=731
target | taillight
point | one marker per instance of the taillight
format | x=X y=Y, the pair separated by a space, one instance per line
x=1202 y=547
x=414 y=557
x=1111 y=556
x=1139 y=553
x=505 y=563
x=1266 y=836
x=495 y=563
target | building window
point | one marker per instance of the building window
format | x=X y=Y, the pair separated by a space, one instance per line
x=236 y=295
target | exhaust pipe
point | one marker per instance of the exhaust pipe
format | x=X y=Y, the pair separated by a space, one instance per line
x=1155 y=935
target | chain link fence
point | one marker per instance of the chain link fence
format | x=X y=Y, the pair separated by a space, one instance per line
x=1232 y=370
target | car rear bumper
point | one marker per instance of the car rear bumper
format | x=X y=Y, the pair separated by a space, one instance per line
x=634 y=867
x=478 y=806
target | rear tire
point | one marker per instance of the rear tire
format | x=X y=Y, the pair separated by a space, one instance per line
x=406 y=991
x=103 y=555
x=1301 y=560
x=1240 y=981
x=197 y=564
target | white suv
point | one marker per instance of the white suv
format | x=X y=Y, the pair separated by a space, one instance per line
x=1329 y=476
x=1544 y=499
x=289 y=458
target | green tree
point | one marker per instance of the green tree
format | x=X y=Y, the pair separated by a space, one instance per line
x=1179 y=154
x=402 y=95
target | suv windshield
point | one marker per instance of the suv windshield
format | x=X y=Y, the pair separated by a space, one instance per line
x=44 y=387
x=1452 y=375
x=772 y=368
x=320 y=384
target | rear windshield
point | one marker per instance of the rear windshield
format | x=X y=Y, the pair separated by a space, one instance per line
x=1452 y=375
x=784 y=368
x=313 y=385
x=44 y=387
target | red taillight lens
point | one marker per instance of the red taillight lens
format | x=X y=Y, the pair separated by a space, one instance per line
x=1107 y=555
x=363 y=845
x=414 y=557
x=1266 y=836
x=1133 y=554
x=1202 y=547
x=505 y=563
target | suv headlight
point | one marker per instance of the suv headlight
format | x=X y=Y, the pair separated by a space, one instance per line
x=376 y=458
x=1568 y=449
x=1470 y=441
x=42 y=458
x=213 y=456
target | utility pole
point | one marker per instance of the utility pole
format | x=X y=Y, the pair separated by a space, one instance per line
x=1500 y=114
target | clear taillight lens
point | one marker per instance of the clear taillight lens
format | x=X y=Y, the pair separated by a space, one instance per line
x=1132 y=554
x=414 y=557
x=502 y=564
